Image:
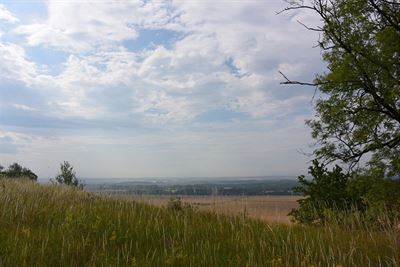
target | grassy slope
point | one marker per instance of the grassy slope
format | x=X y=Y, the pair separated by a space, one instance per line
x=58 y=226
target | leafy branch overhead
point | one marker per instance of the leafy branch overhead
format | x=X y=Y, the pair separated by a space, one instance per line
x=361 y=113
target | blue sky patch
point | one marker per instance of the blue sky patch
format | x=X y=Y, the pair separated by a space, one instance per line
x=47 y=56
x=26 y=11
x=150 y=38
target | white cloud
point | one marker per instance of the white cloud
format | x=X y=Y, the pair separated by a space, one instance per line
x=226 y=58
x=257 y=42
x=23 y=107
x=6 y=15
x=78 y=26
x=174 y=84
x=14 y=65
x=159 y=107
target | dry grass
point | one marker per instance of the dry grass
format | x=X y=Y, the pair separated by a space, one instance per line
x=267 y=208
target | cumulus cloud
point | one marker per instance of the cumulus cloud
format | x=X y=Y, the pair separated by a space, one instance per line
x=221 y=62
x=14 y=65
x=6 y=15
x=224 y=58
x=81 y=26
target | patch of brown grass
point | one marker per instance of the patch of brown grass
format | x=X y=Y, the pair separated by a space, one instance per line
x=267 y=208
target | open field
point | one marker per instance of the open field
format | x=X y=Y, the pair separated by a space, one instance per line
x=267 y=208
x=44 y=225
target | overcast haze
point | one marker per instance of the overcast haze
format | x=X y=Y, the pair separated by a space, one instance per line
x=163 y=88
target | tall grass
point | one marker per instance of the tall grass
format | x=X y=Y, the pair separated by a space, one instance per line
x=60 y=226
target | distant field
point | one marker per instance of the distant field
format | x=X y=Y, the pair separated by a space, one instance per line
x=266 y=208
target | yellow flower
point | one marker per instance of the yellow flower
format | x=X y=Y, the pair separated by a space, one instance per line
x=277 y=262
x=26 y=231
x=134 y=262
x=113 y=236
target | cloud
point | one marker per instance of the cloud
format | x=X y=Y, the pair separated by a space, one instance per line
x=178 y=83
x=14 y=65
x=24 y=107
x=208 y=85
x=6 y=15
x=82 y=26
x=11 y=142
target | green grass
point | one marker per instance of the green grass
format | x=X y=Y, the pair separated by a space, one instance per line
x=59 y=226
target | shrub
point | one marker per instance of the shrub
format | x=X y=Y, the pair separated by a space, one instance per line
x=339 y=198
x=175 y=204
x=326 y=190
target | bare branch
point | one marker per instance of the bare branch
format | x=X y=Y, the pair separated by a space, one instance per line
x=310 y=28
x=295 y=82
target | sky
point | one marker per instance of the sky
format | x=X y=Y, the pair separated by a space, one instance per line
x=156 y=88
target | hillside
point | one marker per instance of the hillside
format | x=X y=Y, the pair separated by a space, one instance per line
x=58 y=226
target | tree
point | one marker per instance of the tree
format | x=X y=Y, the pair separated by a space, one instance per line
x=359 y=114
x=15 y=170
x=67 y=175
x=29 y=174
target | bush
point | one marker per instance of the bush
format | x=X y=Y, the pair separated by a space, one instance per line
x=176 y=204
x=326 y=190
x=336 y=197
x=381 y=199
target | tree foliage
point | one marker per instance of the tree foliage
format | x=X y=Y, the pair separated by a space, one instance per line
x=329 y=193
x=67 y=175
x=326 y=190
x=15 y=170
x=359 y=113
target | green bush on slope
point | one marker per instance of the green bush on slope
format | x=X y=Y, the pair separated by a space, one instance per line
x=336 y=197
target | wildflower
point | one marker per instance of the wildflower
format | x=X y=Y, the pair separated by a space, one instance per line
x=113 y=236
x=26 y=231
x=134 y=262
x=277 y=262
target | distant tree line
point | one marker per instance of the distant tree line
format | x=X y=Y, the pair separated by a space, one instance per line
x=248 y=188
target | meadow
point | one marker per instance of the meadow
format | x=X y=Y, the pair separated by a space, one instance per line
x=270 y=208
x=47 y=225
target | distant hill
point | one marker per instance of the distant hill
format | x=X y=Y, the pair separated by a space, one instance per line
x=262 y=185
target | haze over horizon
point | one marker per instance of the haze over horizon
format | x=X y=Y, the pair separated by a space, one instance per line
x=156 y=88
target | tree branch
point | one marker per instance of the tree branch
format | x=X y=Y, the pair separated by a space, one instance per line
x=295 y=82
